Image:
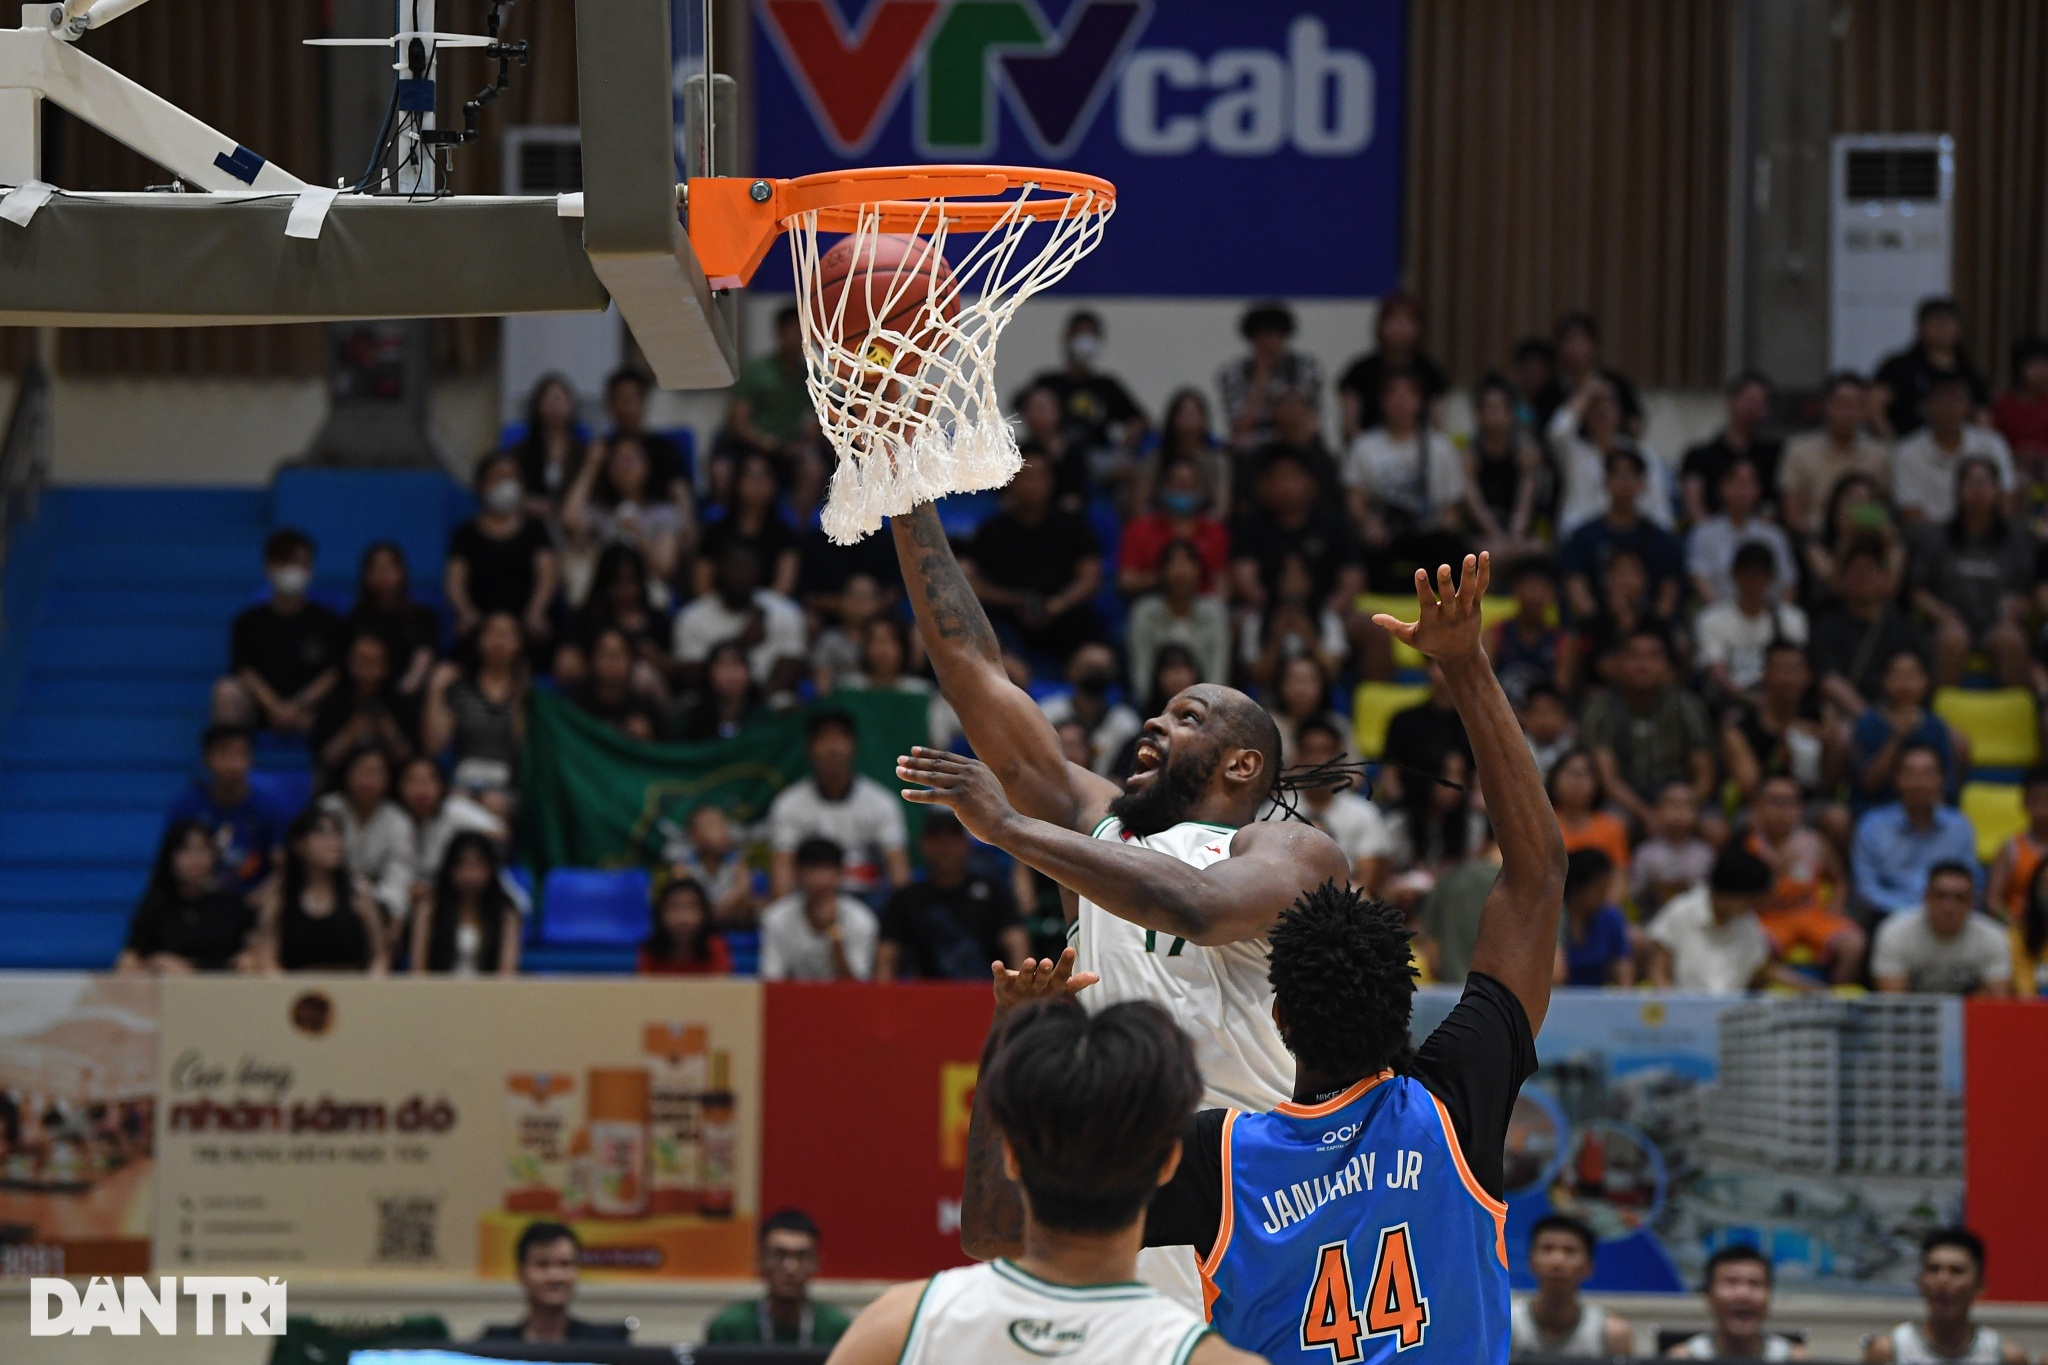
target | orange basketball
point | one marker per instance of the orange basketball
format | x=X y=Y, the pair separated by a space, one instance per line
x=888 y=281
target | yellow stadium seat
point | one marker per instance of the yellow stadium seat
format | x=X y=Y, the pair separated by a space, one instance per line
x=1493 y=610
x=1995 y=811
x=1373 y=705
x=2000 y=725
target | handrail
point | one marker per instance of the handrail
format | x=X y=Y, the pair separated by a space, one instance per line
x=24 y=458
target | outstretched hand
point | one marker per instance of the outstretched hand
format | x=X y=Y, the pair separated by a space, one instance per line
x=963 y=785
x=1038 y=979
x=1448 y=629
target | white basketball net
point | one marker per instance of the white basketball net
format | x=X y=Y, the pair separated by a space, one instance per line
x=913 y=414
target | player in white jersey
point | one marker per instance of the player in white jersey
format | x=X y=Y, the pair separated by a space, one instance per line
x=1174 y=880
x=1951 y=1278
x=1090 y=1111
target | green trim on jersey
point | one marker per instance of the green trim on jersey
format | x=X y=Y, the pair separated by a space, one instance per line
x=1101 y=825
x=916 y=1316
x=1194 y=1338
x=1076 y=1293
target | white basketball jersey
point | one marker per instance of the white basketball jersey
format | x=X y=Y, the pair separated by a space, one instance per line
x=1589 y=1338
x=1220 y=996
x=1000 y=1312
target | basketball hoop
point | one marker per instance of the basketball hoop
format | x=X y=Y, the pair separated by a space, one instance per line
x=899 y=342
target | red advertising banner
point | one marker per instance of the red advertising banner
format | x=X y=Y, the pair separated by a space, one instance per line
x=865 y=1098
x=2005 y=1182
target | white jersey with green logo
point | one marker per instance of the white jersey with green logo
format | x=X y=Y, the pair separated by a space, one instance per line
x=1220 y=995
x=1000 y=1312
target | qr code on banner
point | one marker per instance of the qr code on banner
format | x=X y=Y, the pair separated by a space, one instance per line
x=407 y=1228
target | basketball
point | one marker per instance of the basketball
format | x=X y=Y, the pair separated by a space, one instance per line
x=892 y=279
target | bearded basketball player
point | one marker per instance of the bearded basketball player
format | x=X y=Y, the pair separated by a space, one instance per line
x=1178 y=881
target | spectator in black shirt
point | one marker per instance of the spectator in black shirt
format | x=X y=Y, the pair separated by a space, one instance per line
x=502 y=559
x=186 y=922
x=620 y=596
x=551 y=453
x=365 y=707
x=384 y=608
x=1097 y=410
x=1287 y=515
x=1036 y=567
x=1699 y=476
x=1853 y=642
x=1578 y=360
x=668 y=472
x=1903 y=382
x=1398 y=334
x=753 y=517
x=952 y=924
x=608 y=692
x=547 y=1257
x=1045 y=433
x=1420 y=736
x=284 y=654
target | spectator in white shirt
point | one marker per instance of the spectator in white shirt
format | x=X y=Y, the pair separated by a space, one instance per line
x=1402 y=478
x=1582 y=434
x=1945 y=947
x=1733 y=633
x=817 y=932
x=1354 y=822
x=376 y=834
x=1924 y=465
x=839 y=804
x=1709 y=940
x=767 y=623
x=1711 y=547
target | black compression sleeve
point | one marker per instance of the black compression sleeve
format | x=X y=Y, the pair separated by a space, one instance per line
x=1475 y=1062
x=1189 y=1208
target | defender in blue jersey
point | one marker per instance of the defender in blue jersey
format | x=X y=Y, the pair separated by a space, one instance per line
x=1364 y=1220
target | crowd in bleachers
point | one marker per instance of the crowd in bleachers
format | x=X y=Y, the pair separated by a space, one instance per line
x=1784 y=685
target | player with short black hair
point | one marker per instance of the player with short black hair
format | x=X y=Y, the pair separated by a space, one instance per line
x=1556 y=1320
x=1364 y=1214
x=1086 y=1113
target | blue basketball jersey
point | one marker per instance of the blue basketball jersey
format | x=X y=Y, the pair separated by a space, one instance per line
x=1353 y=1231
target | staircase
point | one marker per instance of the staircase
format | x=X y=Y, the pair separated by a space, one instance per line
x=118 y=602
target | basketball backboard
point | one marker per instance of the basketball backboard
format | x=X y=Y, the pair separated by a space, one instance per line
x=253 y=243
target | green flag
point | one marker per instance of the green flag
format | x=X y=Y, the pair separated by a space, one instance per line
x=591 y=797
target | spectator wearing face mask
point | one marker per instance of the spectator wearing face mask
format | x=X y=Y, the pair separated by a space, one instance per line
x=502 y=559
x=285 y=654
x=1111 y=724
x=1180 y=511
x=1096 y=409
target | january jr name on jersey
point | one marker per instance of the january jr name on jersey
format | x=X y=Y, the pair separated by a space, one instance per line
x=1304 y=1197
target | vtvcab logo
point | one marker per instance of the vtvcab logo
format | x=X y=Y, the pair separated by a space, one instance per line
x=968 y=54
x=242 y=1305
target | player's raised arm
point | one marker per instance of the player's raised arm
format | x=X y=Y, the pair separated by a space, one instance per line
x=1002 y=722
x=1517 y=942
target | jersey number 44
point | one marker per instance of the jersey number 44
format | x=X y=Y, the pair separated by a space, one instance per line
x=1332 y=1316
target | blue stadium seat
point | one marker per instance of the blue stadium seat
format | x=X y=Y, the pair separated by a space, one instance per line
x=347 y=510
x=594 y=908
x=69 y=940
x=746 y=951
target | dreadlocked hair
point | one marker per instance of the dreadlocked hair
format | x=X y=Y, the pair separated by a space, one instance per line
x=1339 y=774
x=1344 y=978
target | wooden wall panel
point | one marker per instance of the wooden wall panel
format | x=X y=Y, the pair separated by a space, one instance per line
x=1978 y=70
x=1571 y=154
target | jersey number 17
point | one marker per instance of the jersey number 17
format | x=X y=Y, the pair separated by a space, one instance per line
x=1394 y=1305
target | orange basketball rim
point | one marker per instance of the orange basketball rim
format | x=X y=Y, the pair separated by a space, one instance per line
x=734 y=221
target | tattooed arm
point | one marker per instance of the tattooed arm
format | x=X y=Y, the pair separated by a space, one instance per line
x=991 y=1204
x=1008 y=731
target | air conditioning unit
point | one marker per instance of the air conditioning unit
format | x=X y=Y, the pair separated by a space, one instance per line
x=583 y=347
x=1891 y=241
